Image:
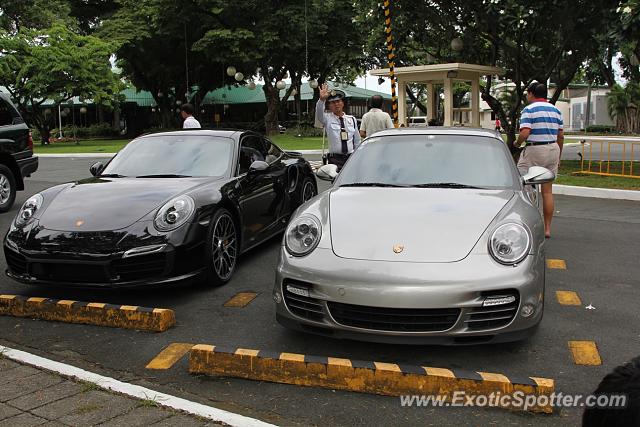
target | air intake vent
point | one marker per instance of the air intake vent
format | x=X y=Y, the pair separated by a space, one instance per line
x=494 y=316
x=299 y=304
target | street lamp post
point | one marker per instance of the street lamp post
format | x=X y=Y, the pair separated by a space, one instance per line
x=59 y=121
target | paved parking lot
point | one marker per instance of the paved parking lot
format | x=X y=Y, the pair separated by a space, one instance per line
x=596 y=239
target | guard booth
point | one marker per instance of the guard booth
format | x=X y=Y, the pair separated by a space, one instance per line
x=444 y=74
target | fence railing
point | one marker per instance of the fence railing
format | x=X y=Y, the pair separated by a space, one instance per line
x=610 y=158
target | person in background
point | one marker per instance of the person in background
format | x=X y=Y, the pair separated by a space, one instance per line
x=375 y=119
x=190 y=122
x=542 y=137
x=498 y=124
x=341 y=128
x=623 y=381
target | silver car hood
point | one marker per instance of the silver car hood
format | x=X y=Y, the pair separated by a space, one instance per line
x=431 y=225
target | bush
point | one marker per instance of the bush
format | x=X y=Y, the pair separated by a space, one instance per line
x=99 y=130
x=305 y=129
x=601 y=129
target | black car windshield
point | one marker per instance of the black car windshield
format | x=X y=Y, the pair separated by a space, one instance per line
x=430 y=161
x=166 y=156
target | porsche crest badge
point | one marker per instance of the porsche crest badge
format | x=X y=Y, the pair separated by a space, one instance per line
x=398 y=248
x=79 y=223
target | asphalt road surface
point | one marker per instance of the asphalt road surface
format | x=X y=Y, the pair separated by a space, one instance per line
x=598 y=239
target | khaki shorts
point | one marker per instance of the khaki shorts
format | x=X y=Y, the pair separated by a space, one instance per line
x=547 y=156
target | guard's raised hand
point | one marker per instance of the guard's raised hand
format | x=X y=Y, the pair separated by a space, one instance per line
x=324 y=92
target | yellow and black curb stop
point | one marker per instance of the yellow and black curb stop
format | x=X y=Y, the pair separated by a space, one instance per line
x=362 y=376
x=89 y=313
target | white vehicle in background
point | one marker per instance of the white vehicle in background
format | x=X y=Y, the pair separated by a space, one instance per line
x=417 y=121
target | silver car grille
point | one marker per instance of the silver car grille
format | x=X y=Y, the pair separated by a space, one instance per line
x=394 y=319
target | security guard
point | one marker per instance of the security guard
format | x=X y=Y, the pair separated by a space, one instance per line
x=341 y=128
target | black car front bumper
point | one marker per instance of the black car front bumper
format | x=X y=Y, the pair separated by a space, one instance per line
x=172 y=266
x=110 y=259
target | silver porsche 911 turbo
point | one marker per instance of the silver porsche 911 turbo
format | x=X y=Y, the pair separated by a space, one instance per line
x=427 y=236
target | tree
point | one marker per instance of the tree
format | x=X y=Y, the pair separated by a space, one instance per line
x=58 y=64
x=276 y=44
x=154 y=41
x=16 y=15
x=530 y=39
x=624 y=107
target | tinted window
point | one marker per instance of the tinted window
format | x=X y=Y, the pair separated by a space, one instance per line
x=428 y=159
x=192 y=155
x=251 y=149
x=6 y=113
x=273 y=152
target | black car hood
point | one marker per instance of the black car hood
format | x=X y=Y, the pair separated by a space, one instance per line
x=99 y=204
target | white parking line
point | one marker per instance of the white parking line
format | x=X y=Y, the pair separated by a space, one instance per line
x=132 y=390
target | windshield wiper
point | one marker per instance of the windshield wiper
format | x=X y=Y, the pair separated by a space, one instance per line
x=111 y=175
x=443 y=185
x=371 y=184
x=164 y=175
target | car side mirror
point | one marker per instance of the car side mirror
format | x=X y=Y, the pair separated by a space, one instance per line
x=538 y=175
x=96 y=168
x=258 y=166
x=327 y=172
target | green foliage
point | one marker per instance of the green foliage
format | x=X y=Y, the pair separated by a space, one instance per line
x=55 y=63
x=624 y=107
x=100 y=130
x=601 y=129
x=18 y=15
x=530 y=39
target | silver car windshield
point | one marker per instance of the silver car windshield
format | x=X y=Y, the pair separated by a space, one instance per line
x=173 y=156
x=445 y=161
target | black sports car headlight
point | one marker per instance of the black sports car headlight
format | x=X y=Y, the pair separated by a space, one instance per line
x=303 y=235
x=174 y=213
x=28 y=210
x=510 y=243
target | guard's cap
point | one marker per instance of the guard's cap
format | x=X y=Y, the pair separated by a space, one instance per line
x=336 y=95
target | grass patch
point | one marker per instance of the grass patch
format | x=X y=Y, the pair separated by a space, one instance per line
x=82 y=146
x=89 y=386
x=292 y=142
x=286 y=142
x=148 y=403
x=568 y=167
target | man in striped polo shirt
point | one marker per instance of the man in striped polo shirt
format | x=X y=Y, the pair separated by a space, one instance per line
x=542 y=137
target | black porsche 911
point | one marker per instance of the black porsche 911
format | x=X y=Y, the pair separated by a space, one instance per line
x=169 y=207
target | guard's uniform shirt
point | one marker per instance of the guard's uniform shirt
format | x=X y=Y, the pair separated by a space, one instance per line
x=342 y=132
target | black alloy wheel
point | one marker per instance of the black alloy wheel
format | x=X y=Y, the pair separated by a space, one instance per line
x=222 y=248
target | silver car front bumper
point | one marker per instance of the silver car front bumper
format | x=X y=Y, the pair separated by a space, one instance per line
x=369 y=300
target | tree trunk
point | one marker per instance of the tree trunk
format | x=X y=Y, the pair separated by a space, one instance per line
x=42 y=124
x=45 y=134
x=272 y=94
x=415 y=100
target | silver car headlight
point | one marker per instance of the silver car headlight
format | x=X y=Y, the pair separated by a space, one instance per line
x=510 y=243
x=303 y=235
x=174 y=213
x=28 y=210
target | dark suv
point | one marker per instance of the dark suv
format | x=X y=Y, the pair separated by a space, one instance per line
x=16 y=153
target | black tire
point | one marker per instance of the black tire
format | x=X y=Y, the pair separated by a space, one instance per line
x=222 y=248
x=7 y=188
x=306 y=191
